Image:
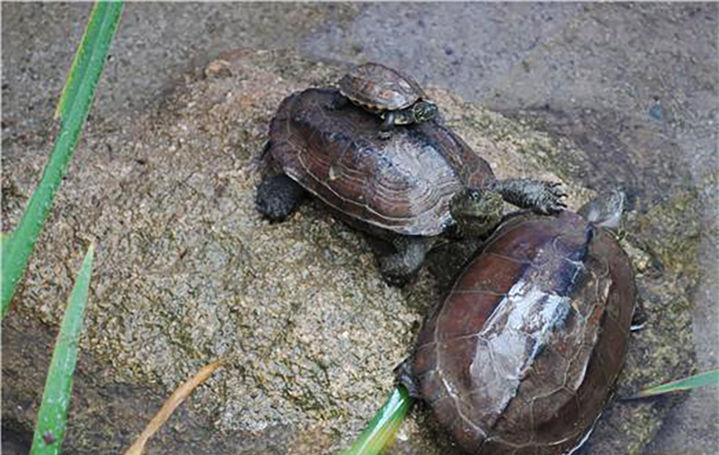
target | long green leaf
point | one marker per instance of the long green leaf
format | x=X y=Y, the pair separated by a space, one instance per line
x=51 y=418
x=72 y=109
x=688 y=383
x=381 y=429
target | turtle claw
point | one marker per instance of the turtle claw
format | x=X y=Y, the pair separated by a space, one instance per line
x=384 y=135
x=549 y=200
x=550 y=207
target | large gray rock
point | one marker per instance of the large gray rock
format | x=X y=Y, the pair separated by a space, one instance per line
x=188 y=272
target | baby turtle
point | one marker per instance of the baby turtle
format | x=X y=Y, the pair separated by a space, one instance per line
x=396 y=97
x=522 y=355
x=423 y=182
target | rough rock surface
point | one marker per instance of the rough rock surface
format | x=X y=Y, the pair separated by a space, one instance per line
x=187 y=272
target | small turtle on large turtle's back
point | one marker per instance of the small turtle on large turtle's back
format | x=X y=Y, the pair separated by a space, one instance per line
x=423 y=183
x=396 y=97
x=522 y=355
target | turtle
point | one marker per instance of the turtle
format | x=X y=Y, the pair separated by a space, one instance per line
x=410 y=190
x=396 y=97
x=522 y=355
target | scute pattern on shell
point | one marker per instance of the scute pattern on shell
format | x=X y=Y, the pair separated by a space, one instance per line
x=521 y=356
x=403 y=184
x=380 y=88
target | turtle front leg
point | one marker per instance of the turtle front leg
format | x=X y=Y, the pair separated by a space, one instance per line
x=401 y=267
x=540 y=196
x=385 y=129
x=278 y=196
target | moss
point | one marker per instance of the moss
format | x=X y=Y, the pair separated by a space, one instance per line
x=672 y=230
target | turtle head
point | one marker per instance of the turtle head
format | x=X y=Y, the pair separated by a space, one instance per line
x=424 y=111
x=605 y=210
x=476 y=211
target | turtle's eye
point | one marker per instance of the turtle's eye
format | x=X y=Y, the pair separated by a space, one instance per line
x=473 y=195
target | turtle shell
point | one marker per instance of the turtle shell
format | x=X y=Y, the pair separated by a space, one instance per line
x=380 y=88
x=404 y=184
x=521 y=356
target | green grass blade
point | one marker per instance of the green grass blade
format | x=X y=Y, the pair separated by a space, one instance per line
x=72 y=109
x=50 y=426
x=381 y=429
x=89 y=59
x=689 y=383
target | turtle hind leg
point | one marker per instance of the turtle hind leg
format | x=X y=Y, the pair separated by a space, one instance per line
x=278 y=196
x=401 y=267
x=540 y=196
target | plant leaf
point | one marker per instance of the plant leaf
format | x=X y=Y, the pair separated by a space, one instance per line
x=51 y=418
x=688 y=383
x=382 y=428
x=73 y=108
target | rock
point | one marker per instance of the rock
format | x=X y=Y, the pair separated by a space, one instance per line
x=188 y=272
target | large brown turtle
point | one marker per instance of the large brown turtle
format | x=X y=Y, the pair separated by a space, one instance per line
x=423 y=182
x=396 y=97
x=522 y=355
